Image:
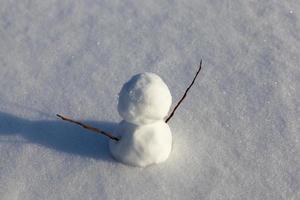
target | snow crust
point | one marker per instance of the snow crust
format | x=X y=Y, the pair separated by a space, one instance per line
x=236 y=135
x=142 y=145
x=144 y=99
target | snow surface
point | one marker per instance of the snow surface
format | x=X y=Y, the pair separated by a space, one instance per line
x=236 y=136
x=142 y=145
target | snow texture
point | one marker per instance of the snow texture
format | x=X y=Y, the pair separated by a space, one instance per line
x=144 y=99
x=236 y=135
x=142 y=145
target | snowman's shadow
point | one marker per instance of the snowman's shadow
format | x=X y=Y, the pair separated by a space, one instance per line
x=58 y=135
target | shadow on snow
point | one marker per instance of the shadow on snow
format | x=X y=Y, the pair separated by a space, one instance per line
x=60 y=135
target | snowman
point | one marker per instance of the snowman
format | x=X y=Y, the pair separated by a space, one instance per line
x=144 y=136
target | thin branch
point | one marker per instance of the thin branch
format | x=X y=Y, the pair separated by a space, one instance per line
x=88 y=127
x=186 y=91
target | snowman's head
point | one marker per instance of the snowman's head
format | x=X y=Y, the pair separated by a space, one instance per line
x=144 y=99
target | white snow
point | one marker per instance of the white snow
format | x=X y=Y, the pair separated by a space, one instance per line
x=236 y=135
x=142 y=145
x=144 y=99
x=144 y=137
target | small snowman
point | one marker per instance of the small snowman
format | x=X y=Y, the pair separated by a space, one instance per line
x=144 y=136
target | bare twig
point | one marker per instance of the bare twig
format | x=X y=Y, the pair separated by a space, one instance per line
x=89 y=127
x=186 y=91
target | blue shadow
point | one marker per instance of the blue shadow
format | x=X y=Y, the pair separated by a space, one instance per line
x=60 y=135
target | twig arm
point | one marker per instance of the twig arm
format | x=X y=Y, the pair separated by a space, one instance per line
x=88 y=127
x=186 y=91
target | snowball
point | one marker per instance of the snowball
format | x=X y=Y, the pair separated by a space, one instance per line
x=142 y=145
x=145 y=98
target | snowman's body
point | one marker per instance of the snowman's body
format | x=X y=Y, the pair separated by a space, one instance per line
x=145 y=138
